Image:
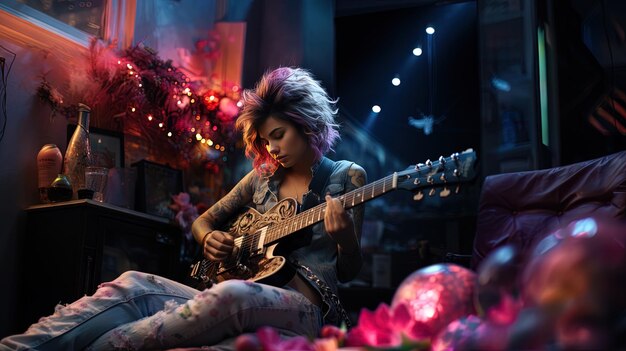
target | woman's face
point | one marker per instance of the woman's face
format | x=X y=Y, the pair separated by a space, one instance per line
x=284 y=142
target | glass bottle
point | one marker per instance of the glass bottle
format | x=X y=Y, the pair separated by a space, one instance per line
x=49 y=163
x=78 y=153
x=60 y=189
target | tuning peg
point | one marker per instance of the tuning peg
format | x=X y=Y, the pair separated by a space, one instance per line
x=431 y=192
x=418 y=196
x=429 y=163
x=455 y=157
x=430 y=180
x=458 y=188
x=442 y=163
x=445 y=192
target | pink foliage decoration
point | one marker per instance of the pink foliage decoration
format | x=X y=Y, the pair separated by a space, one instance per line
x=151 y=98
x=186 y=213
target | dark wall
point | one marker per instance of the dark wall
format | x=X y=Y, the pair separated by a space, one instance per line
x=290 y=33
x=591 y=65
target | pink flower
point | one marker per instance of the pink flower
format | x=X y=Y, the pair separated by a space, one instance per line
x=186 y=212
x=386 y=327
x=268 y=339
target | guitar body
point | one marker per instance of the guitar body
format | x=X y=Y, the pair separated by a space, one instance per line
x=253 y=261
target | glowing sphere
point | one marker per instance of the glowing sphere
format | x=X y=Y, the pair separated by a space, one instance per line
x=438 y=294
x=471 y=333
x=576 y=279
x=498 y=289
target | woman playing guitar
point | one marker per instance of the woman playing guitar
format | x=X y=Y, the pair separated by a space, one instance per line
x=288 y=125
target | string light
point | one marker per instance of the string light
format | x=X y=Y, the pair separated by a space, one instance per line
x=179 y=114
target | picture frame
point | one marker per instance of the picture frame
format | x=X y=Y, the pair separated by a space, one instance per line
x=156 y=183
x=107 y=147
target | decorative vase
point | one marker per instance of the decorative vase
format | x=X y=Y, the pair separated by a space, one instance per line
x=60 y=189
x=78 y=153
x=49 y=163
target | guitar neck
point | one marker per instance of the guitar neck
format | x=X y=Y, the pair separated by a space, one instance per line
x=314 y=215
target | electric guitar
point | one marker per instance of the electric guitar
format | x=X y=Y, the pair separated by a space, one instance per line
x=257 y=235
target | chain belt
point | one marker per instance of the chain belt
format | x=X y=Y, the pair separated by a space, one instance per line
x=328 y=295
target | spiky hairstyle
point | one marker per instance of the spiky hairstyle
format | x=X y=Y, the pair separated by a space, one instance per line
x=291 y=94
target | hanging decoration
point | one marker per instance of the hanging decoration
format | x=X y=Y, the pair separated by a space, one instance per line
x=425 y=122
x=153 y=99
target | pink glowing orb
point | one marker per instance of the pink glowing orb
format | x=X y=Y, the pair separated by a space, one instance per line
x=437 y=295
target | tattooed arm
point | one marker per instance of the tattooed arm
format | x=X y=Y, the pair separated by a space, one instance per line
x=350 y=259
x=217 y=245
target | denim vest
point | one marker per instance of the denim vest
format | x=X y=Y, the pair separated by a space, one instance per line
x=321 y=255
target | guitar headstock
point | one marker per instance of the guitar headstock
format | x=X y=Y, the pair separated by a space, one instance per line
x=446 y=171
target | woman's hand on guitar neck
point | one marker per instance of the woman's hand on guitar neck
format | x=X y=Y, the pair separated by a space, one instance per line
x=339 y=225
x=218 y=245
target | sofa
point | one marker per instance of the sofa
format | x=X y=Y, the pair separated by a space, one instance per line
x=522 y=208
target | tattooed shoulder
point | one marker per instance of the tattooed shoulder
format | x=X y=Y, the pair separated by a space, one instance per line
x=357 y=175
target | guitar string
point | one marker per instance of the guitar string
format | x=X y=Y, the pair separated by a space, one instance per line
x=315 y=214
x=311 y=216
x=273 y=232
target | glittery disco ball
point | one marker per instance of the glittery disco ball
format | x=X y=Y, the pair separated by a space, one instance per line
x=437 y=295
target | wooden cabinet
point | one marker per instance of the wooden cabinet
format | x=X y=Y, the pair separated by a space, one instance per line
x=71 y=247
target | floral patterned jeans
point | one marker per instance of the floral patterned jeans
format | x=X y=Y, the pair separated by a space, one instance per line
x=143 y=311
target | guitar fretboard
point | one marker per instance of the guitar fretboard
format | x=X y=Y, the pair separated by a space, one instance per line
x=316 y=214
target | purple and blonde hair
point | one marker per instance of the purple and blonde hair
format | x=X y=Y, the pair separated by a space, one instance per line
x=293 y=95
